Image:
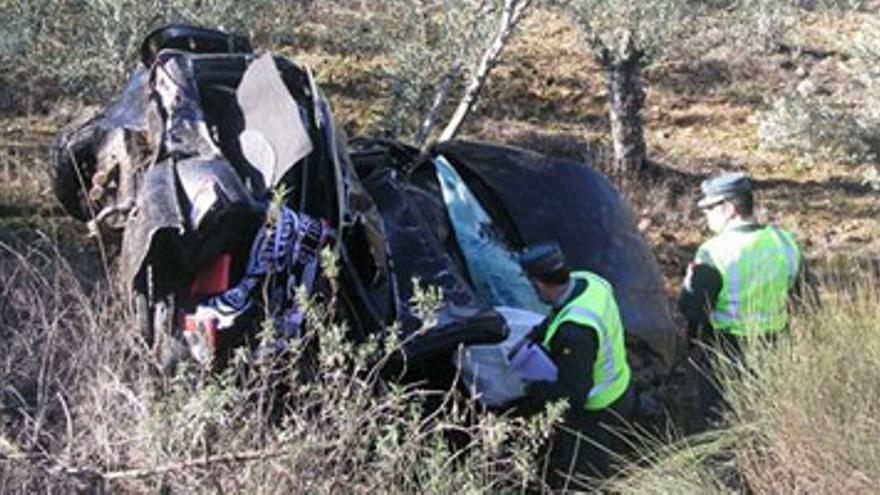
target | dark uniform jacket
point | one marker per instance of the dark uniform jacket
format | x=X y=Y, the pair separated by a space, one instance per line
x=573 y=349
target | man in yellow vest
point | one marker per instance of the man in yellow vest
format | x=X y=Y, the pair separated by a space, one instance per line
x=738 y=286
x=585 y=338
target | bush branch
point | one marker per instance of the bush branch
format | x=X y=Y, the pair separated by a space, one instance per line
x=510 y=17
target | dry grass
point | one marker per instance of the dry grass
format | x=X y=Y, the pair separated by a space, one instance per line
x=24 y=153
x=85 y=408
x=803 y=419
x=80 y=410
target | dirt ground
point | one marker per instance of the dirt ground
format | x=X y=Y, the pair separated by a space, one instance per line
x=703 y=104
x=547 y=95
x=700 y=119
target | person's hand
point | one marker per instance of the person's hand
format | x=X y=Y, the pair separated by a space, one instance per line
x=536 y=331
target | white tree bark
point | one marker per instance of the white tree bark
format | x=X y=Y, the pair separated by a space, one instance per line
x=511 y=15
x=439 y=98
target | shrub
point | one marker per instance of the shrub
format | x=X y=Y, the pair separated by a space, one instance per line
x=84 y=49
x=819 y=124
x=430 y=48
x=85 y=407
x=818 y=128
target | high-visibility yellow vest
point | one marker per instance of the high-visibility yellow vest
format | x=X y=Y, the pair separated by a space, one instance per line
x=596 y=308
x=758 y=269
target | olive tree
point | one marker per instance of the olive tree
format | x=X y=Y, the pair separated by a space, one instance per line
x=625 y=36
x=85 y=48
x=867 y=52
x=439 y=52
x=839 y=122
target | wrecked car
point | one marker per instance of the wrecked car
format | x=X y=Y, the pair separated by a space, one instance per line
x=184 y=163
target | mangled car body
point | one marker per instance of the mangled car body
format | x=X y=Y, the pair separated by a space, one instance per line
x=184 y=164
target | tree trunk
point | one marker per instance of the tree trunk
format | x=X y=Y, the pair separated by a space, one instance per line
x=627 y=95
x=510 y=16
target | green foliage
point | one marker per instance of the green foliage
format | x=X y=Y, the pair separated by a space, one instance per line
x=763 y=23
x=314 y=418
x=817 y=128
x=425 y=302
x=866 y=51
x=427 y=42
x=276 y=203
x=754 y=25
x=830 y=5
x=86 y=48
x=183 y=419
x=826 y=125
x=619 y=27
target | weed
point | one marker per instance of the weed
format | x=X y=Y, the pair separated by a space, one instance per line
x=802 y=414
x=83 y=408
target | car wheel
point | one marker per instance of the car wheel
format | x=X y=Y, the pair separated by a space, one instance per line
x=73 y=164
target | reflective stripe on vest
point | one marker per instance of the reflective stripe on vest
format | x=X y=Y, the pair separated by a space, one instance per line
x=758 y=269
x=596 y=308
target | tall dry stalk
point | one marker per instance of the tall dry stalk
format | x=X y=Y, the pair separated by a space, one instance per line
x=803 y=415
x=84 y=408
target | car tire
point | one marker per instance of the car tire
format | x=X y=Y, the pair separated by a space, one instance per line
x=73 y=164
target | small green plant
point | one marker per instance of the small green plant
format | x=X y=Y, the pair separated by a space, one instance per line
x=818 y=124
x=314 y=416
x=817 y=128
x=425 y=302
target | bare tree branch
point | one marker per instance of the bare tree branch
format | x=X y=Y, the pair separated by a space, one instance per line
x=229 y=458
x=439 y=98
x=510 y=16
